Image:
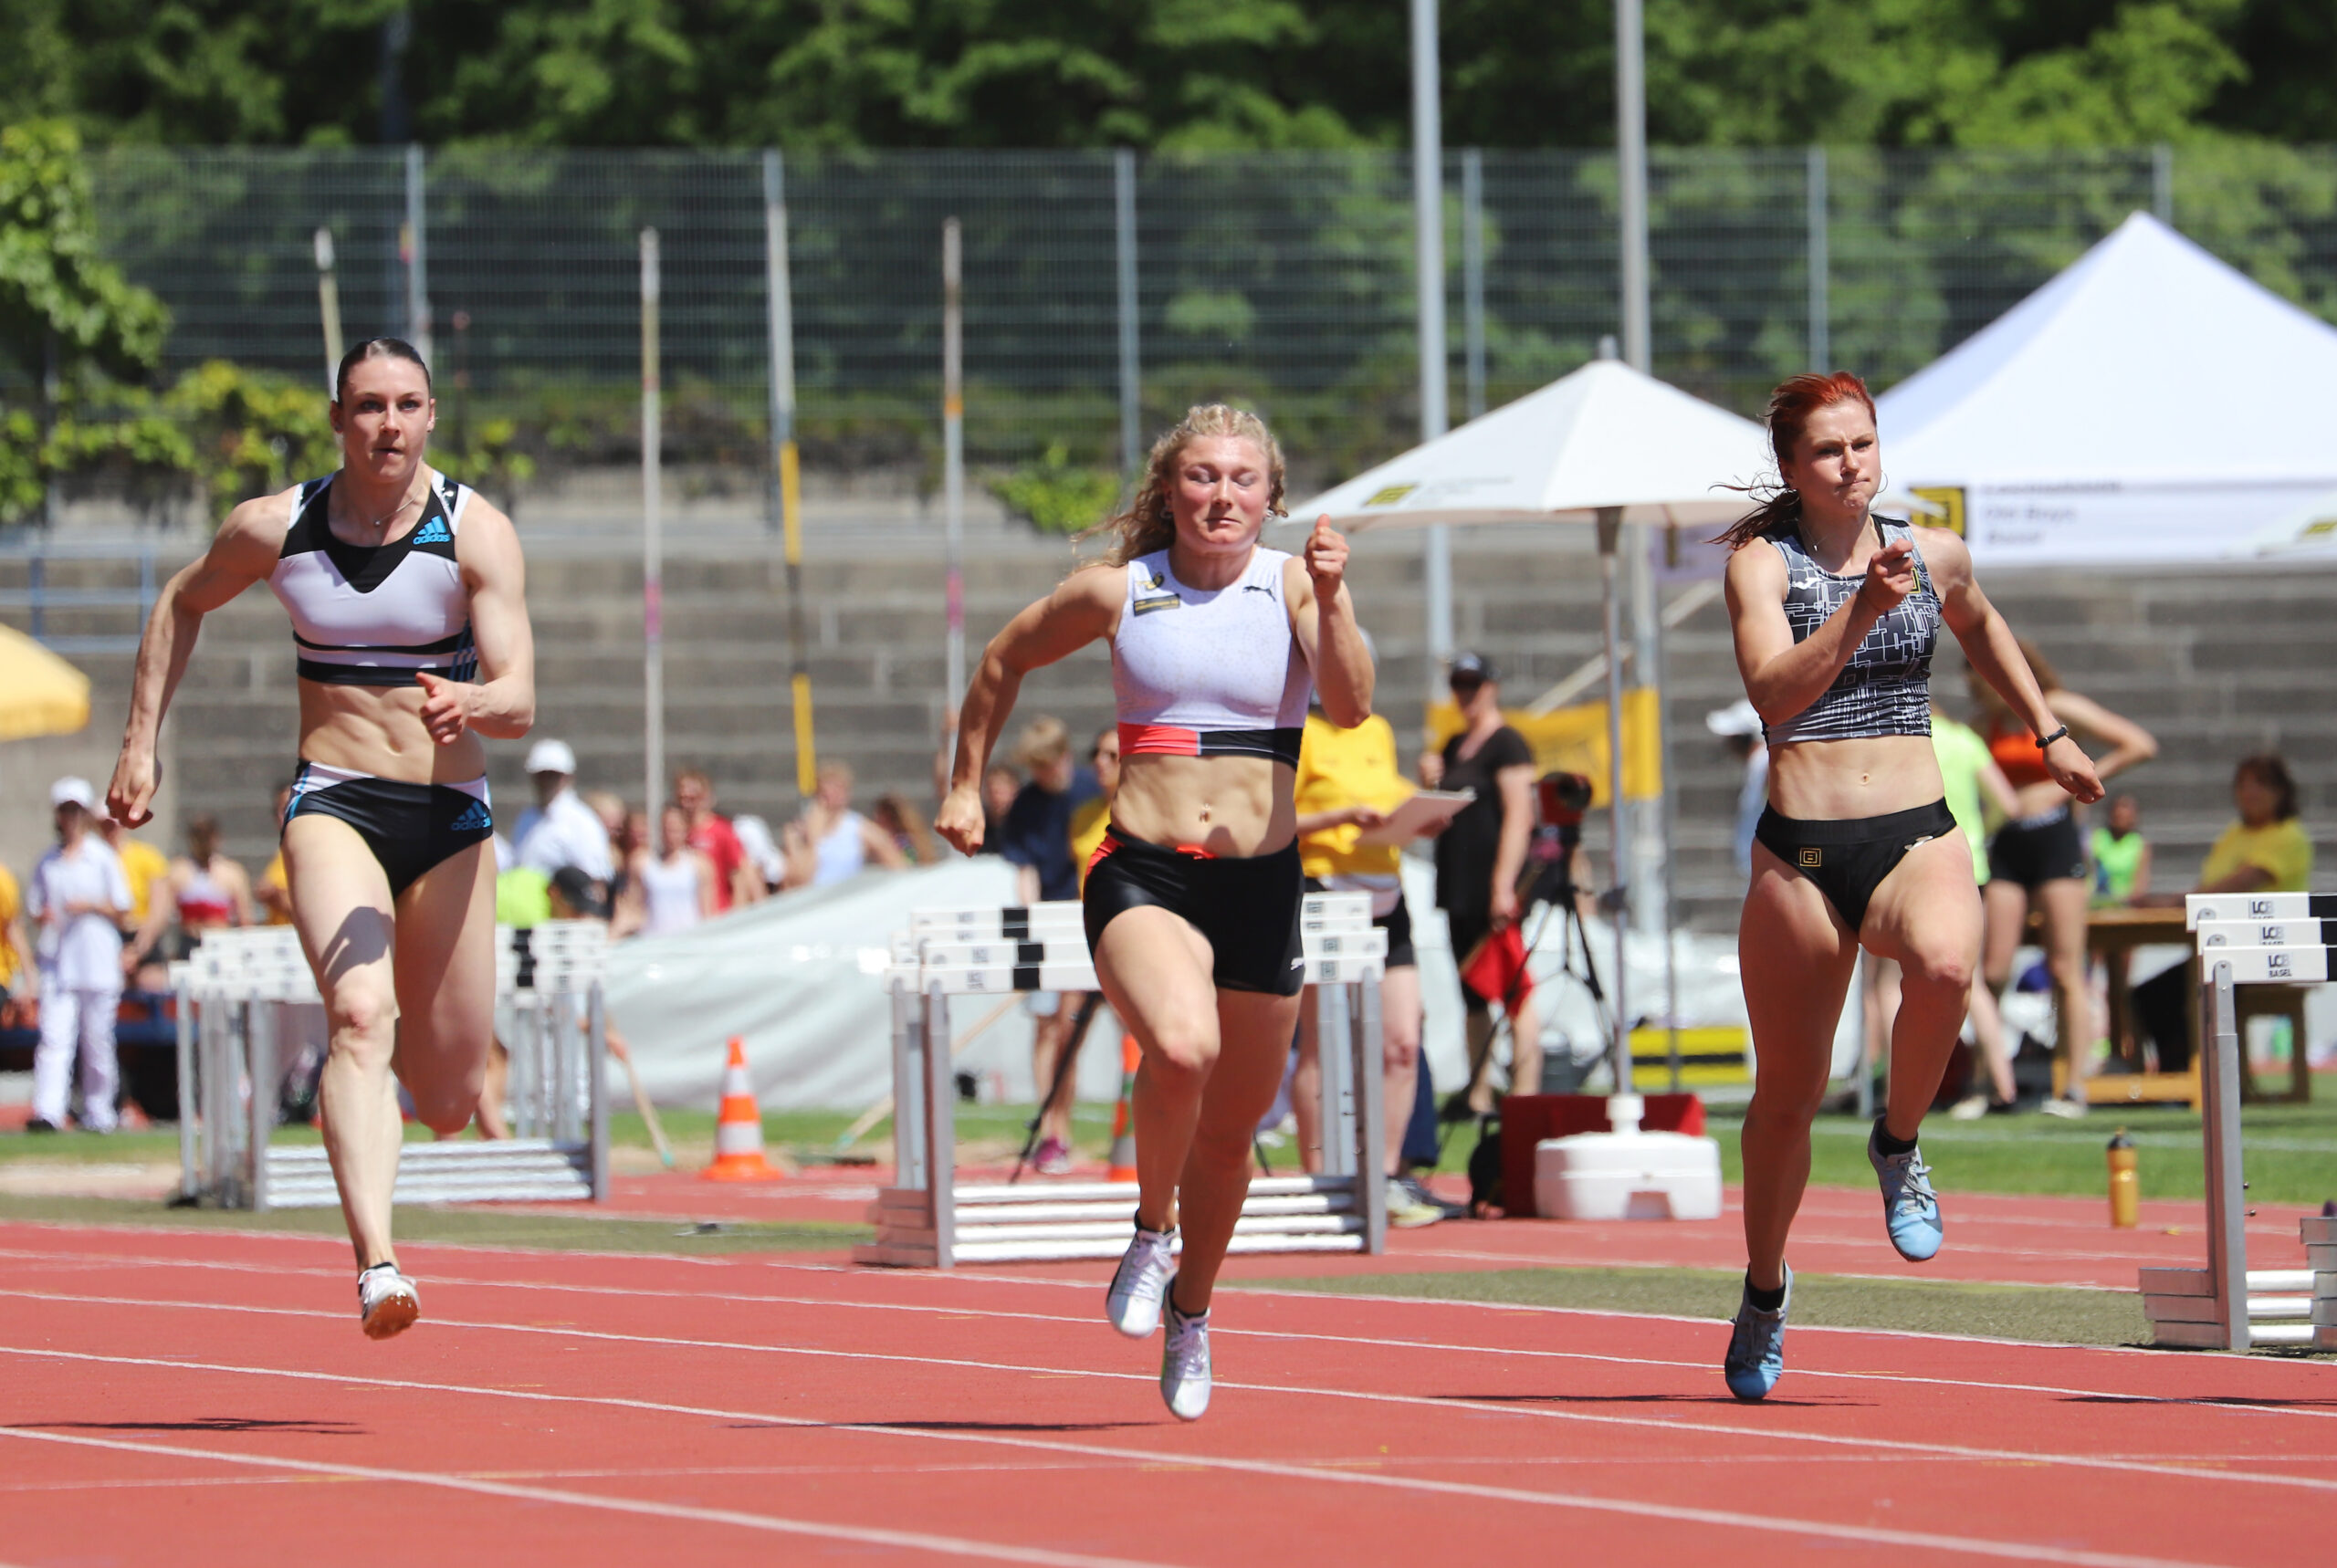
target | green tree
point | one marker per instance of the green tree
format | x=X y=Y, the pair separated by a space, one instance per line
x=1171 y=73
x=62 y=305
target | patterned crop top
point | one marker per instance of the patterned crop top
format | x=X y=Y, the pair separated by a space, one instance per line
x=1209 y=673
x=1885 y=689
x=377 y=615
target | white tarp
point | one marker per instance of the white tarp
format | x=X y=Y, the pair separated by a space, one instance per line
x=2079 y=428
x=800 y=978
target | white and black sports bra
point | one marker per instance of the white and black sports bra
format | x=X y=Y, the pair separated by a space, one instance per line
x=1209 y=673
x=1885 y=689
x=377 y=615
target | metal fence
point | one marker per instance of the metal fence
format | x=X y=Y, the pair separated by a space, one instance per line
x=1282 y=279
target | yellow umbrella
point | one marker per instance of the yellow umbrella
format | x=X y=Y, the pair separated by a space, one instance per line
x=40 y=694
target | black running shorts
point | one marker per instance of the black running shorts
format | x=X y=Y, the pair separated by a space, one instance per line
x=1848 y=857
x=410 y=828
x=2030 y=852
x=1247 y=907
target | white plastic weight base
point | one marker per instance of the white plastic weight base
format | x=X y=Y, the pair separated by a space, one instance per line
x=1627 y=1176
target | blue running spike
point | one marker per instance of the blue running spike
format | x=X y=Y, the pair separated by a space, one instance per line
x=1910 y=1206
x=1756 y=1346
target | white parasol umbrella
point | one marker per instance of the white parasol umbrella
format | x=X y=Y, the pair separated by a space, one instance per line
x=1605 y=445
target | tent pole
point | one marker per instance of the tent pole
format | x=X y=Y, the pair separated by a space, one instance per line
x=1428 y=244
x=1623 y=1106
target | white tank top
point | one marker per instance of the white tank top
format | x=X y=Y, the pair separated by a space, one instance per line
x=841 y=854
x=377 y=615
x=1209 y=673
x=669 y=891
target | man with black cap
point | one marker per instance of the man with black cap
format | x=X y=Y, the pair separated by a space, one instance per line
x=1479 y=859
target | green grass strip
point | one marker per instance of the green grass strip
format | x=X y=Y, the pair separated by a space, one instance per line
x=1820 y=1301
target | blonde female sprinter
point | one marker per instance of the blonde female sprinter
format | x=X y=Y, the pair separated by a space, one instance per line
x=1192 y=900
x=410 y=627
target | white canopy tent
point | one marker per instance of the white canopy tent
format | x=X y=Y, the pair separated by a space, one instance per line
x=2149 y=406
x=1608 y=445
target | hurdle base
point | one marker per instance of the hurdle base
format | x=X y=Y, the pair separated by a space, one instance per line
x=1627 y=1175
x=2286 y=1308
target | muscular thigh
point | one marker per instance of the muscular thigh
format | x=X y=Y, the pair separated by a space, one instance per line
x=341 y=909
x=1796 y=957
x=1154 y=969
x=1255 y=1030
x=445 y=955
x=1928 y=908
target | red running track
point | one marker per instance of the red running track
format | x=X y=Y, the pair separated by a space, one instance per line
x=207 y=1398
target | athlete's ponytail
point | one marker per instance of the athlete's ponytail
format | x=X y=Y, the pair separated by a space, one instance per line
x=1147 y=525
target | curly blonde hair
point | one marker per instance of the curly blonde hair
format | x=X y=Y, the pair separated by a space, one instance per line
x=1147 y=525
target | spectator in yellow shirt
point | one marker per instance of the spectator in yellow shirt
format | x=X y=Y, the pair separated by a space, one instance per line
x=1349 y=781
x=2267 y=851
x=148 y=869
x=16 y=954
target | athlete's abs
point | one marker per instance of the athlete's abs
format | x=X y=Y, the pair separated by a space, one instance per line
x=1826 y=781
x=379 y=730
x=1226 y=805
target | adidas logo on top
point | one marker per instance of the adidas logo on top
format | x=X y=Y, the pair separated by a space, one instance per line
x=433 y=532
x=474 y=815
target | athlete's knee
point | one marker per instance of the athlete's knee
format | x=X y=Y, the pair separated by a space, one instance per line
x=445 y=1110
x=1183 y=1052
x=363 y=1020
x=1400 y=1052
x=1946 y=964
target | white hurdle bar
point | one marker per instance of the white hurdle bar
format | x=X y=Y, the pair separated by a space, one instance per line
x=2247 y=939
x=232 y=990
x=926 y=1219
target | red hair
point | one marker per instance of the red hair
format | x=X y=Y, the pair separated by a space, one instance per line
x=1790 y=407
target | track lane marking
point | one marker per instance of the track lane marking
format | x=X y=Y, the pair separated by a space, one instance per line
x=2232 y=1405
x=1635 y=1423
x=2019 y=1552
x=862 y=1535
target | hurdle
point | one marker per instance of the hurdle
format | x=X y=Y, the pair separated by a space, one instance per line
x=2247 y=939
x=928 y=1219
x=232 y=991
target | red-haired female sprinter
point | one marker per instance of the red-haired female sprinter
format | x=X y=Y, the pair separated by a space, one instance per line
x=1835 y=611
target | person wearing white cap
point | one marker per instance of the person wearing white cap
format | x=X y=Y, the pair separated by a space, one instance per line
x=406 y=592
x=77 y=898
x=560 y=829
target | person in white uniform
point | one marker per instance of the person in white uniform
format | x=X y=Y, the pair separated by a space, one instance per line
x=77 y=899
x=560 y=829
x=407 y=594
x=1192 y=898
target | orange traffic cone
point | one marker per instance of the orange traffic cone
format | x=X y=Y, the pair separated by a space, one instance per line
x=738 y=1130
x=1123 y=1159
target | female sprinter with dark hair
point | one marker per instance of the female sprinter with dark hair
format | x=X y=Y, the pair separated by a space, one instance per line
x=410 y=623
x=1835 y=612
x=2037 y=860
x=1192 y=899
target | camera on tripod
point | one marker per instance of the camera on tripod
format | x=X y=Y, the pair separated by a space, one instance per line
x=1560 y=799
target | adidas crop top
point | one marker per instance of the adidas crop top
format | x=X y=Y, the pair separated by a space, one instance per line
x=1885 y=689
x=377 y=615
x=1209 y=673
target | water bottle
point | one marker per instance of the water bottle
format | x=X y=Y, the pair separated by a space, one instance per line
x=2125 y=1183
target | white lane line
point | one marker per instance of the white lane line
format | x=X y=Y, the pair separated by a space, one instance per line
x=2231 y=1405
x=2019 y=1552
x=1413 y=1401
x=941 y=1545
